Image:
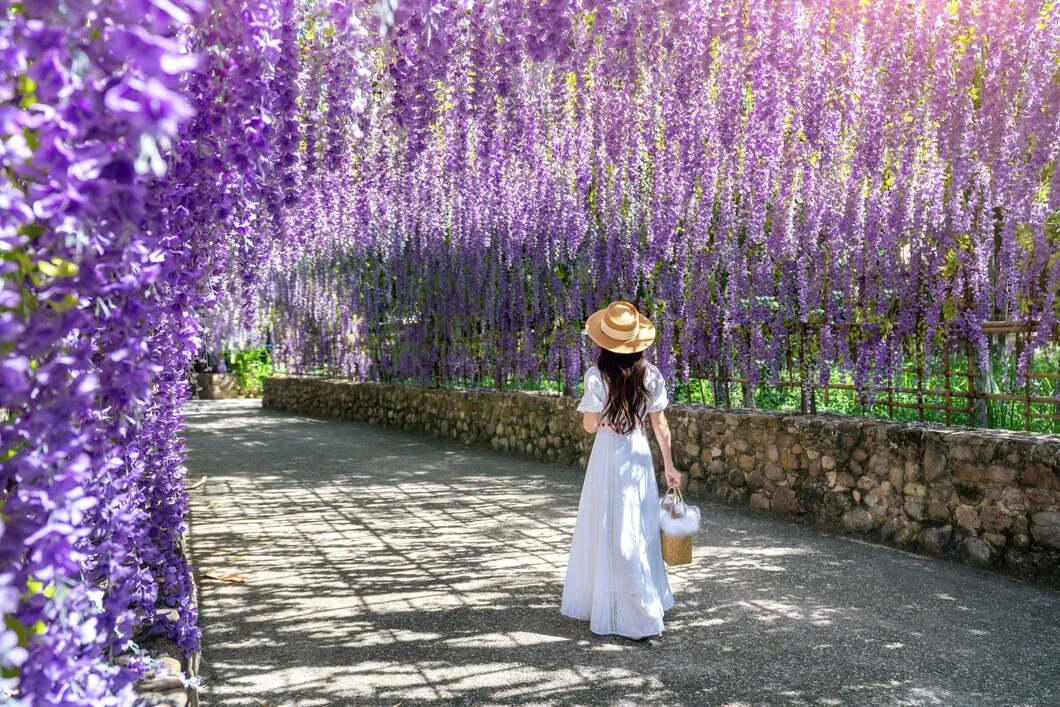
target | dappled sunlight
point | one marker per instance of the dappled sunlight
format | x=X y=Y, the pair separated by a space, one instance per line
x=383 y=568
x=504 y=640
x=769 y=611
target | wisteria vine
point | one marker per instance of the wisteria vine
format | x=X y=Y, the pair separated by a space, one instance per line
x=857 y=182
x=137 y=157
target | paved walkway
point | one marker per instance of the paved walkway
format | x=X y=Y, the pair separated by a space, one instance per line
x=388 y=569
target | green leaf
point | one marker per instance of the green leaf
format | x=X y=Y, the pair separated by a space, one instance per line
x=57 y=267
x=949 y=309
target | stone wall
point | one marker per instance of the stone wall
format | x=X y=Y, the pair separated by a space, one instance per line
x=989 y=498
x=216 y=386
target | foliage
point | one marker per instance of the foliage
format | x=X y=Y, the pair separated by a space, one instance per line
x=249 y=366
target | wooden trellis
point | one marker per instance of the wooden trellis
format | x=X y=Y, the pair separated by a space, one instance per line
x=959 y=394
x=949 y=391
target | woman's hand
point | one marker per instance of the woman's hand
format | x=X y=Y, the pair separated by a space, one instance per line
x=673 y=477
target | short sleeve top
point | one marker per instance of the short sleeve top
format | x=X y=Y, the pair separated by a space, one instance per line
x=596 y=391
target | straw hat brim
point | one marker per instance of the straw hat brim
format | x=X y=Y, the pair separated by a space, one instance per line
x=645 y=336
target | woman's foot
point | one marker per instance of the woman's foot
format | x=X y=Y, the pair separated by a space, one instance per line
x=646 y=639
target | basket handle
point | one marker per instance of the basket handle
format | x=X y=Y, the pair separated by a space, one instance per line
x=678 y=496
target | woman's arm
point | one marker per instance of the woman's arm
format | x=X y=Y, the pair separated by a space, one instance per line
x=662 y=436
x=591 y=421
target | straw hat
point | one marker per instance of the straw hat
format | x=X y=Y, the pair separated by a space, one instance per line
x=620 y=328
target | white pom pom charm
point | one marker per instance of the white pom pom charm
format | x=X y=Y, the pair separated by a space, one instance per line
x=677 y=522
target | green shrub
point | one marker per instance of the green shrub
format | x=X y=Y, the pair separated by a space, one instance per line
x=249 y=366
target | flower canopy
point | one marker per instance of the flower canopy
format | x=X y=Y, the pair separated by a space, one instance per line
x=850 y=179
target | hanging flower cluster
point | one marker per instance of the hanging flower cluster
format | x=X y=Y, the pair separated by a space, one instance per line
x=135 y=170
x=852 y=181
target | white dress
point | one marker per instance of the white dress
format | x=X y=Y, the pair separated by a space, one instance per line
x=616 y=579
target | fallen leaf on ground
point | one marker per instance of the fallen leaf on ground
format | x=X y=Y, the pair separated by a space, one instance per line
x=223 y=576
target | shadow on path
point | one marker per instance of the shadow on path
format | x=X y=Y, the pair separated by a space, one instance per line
x=386 y=569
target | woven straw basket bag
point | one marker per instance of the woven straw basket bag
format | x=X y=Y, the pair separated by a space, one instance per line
x=677 y=522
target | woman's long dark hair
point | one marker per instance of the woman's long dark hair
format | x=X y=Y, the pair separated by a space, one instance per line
x=627 y=393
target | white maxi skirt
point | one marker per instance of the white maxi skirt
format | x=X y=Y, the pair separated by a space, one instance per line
x=616 y=579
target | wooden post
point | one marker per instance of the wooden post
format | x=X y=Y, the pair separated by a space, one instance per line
x=1056 y=405
x=946 y=373
x=723 y=381
x=920 y=385
x=806 y=394
x=890 y=399
x=748 y=393
x=972 y=407
x=1027 y=394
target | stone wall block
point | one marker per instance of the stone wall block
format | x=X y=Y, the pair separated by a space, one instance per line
x=1045 y=529
x=937 y=541
x=977 y=552
x=760 y=502
x=1039 y=475
x=994 y=519
x=858 y=520
x=785 y=502
x=936 y=463
x=1041 y=499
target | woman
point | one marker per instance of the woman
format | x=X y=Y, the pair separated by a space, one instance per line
x=615 y=574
